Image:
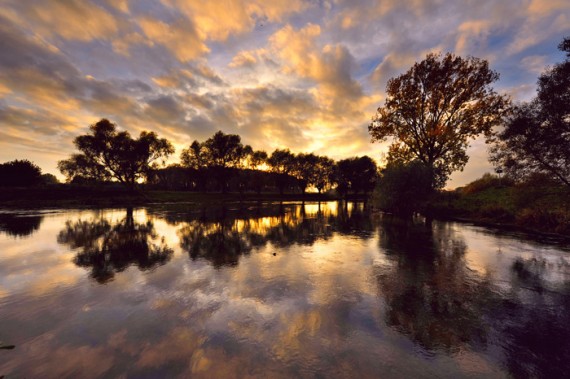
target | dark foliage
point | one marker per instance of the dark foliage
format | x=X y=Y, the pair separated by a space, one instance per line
x=536 y=137
x=403 y=188
x=20 y=173
x=357 y=174
x=107 y=154
x=219 y=154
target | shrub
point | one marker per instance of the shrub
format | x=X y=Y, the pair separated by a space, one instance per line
x=485 y=182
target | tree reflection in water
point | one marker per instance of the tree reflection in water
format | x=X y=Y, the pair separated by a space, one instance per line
x=533 y=320
x=108 y=248
x=221 y=236
x=431 y=294
x=16 y=225
x=433 y=297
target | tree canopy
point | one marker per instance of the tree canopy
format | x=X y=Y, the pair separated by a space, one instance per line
x=219 y=153
x=536 y=136
x=356 y=174
x=434 y=109
x=221 y=150
x=107 y=154
x=19 y=173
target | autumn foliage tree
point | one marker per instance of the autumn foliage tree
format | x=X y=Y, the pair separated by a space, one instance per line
x=107 y=154
x=433 y=111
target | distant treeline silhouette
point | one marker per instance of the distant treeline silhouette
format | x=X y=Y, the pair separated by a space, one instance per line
x=220 y=163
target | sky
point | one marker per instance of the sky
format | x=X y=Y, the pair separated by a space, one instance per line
x=303 y=75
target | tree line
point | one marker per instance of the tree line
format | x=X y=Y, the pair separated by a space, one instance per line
x=220 y=163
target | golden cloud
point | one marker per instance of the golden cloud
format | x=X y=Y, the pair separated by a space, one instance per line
x=180 y=38
x=84 y=21
x=217 y=20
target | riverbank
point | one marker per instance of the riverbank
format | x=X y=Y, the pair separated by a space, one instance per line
x=533 y=207
x=62 y=196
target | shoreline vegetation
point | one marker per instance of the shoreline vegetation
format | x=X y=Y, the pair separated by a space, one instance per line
x=67 y=196
x=538 y=206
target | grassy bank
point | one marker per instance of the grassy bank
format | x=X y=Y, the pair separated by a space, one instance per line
x=538 y=205
x=64 y=196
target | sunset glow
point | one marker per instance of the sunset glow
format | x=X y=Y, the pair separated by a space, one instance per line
x=304 y=75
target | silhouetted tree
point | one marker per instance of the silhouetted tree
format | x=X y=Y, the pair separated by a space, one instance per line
x=433 y=110
x=356 y=174
x=49 y=179
x=281 y=162
x=324 y=173
x=219 y=154
x=19 y=173
x=173 y=177
x=364 y=176
x=256 y=159
x=304 y=170
x=536 y=137
x=107 y=154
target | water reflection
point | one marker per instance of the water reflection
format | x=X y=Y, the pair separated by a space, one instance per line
x=431 y=294
x=17 y=225
x=434 y=297
x=107 y=248
x=278 y=290
x=221 y=236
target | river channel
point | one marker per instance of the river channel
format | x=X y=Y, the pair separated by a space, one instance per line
x=276 y=290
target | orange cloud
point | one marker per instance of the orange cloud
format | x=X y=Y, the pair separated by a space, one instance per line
x=84 y=21
x=218 y=20
x=181 y=38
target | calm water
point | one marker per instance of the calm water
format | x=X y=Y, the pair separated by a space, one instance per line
x=276 y=291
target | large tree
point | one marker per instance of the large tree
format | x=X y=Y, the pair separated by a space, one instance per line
x=536 y=136
x=433 y=110
x=220 y=154
x=107 y=154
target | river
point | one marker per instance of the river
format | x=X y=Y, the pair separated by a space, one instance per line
x=315 y=290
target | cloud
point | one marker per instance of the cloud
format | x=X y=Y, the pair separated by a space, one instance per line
x=218 y=20
x=84 y=21
x=243 y=59
x=123 y=44
x=534 y=63
x=287 y=73
x=165 y=109
x=122 y=5
x=180 y=38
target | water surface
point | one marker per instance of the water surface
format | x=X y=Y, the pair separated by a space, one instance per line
x=276 y=290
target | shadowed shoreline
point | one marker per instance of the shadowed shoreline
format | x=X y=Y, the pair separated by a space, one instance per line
x=83 y=197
